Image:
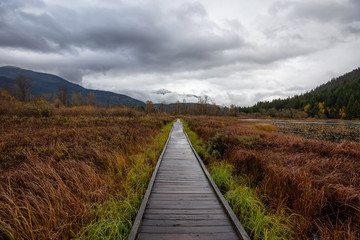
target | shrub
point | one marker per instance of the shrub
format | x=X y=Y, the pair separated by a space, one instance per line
x=35 y=108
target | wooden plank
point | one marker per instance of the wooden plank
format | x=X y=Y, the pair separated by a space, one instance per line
x=171 y=206
x=178 y=198
x=179 y=191
x=184 y=178
x=186 y=236
x=175 y=181
x=179 y=182
x=180 y=185
x=185 y=216
x=180 y=169
x=185 y=211
x=209 y=194
x=180 y=173
x=183 y=202
x=196 y=229
x=186 y=223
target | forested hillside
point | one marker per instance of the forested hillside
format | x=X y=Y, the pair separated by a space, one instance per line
x=339 y=98
x=50 y=86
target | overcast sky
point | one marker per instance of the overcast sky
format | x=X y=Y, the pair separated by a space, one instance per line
x=234 y=51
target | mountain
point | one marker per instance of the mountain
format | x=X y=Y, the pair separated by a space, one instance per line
x=49 y=84
x=338 y=98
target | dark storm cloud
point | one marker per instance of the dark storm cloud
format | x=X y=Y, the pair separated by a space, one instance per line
x=145 y=38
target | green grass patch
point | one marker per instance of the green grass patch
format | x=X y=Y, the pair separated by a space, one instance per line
x=114 y=218
x=197 y=142
x=258 y=221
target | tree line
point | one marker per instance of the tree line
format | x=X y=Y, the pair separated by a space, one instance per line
x=339 y=98
x=22 y=92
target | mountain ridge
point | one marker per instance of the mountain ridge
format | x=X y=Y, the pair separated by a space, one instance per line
x=46 y=83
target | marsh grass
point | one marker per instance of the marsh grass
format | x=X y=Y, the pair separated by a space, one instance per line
x=316 y=180
x=58 y=173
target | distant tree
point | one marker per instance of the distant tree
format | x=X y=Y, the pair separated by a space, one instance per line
x=149 y=107
x=233 y=111
x=356 y=109
x=321 y=112
x=77 y=99
x=342 y=112
x=22 y=88
x=202 y=105
x=50 y=97
x=307 y=108
x=183 y=106
x=63 y=95
x=162 y=107
x=351 y=108
x=177 y=107
x=91 y=99
x=214 y=110
x=108 y=101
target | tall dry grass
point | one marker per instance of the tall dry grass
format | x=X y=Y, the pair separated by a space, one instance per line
x=318 y=180
x=53 y=169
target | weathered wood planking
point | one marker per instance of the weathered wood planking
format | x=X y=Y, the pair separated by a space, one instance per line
x=182 y=202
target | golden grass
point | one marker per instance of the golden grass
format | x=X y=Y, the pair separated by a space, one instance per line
x=265 y=127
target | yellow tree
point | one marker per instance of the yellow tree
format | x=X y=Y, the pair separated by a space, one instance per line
x=149 y=107
x=342 y=112
x=321 y=109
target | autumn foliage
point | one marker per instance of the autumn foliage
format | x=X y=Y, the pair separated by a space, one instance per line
x=54 y=168
x=317 y=180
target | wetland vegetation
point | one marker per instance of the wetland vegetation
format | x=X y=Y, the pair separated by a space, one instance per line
x=310 y=186
x=80 y=172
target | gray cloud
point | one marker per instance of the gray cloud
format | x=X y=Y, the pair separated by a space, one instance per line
x=161 y=91
x=185 y=48
x=324 y=11
x=145 y=38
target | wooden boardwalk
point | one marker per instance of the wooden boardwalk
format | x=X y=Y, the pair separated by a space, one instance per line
x=181 y=201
